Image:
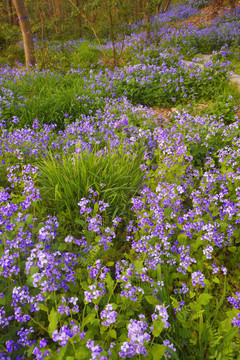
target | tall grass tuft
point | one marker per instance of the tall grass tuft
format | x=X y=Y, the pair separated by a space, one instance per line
x=116 y=176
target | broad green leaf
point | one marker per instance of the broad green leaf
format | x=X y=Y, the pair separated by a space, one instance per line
x=33 y=270
x=192 y=294
x=43 y=307
x=82 y=353
x=225 y=325
x=29 y=219
x=109 y=282
x=113 y=334
x=95 y=209
x=152 y=300
x=62 y=247
x=159 y=272
x=61 y=354
x=204 y=298
x=158 y=327
x=110 y=263
x=158 y=351
x=167 y=212
x=232 y=249
x=89 y=319
x=53 y=321
x=138 y=265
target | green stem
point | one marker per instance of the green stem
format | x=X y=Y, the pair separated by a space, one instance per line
x=42 y=327
x=83 y=314
x=152 y=342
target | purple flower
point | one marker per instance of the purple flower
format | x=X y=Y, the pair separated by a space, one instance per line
x=109 y=314
x=138 y=338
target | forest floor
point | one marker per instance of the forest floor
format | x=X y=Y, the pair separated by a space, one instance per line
x=120 y=196
x=207 y=15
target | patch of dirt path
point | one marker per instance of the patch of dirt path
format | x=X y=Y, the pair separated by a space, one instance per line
x=207 y=15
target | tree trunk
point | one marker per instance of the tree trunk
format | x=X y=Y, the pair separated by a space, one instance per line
x=159 y=7
x=11 y=14
x=112 y=39
x=79 y=20
x=166 y=5
x=26 y=32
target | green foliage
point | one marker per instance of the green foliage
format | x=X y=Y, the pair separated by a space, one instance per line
x=64 y=182
x=9 y=35
x=56 y=56
x=85 y=56
x=200 y=318
x=166 y=88
x=48 y=98
x=15 y=53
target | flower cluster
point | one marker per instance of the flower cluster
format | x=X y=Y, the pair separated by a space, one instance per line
x=138 y=338
x=109 y=315
x=161 y=311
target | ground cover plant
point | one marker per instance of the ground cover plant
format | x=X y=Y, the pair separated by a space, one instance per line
x=119 y=230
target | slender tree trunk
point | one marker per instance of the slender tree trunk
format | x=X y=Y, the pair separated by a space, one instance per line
x=11 y=14
x=26 y=32
x=166 y=6
x=84 y=16
x=112 y=39
x=159 y=6
x=54 y=18
x=79 y=20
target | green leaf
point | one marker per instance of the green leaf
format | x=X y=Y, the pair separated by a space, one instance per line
x=80 y=222
x=33 y=270
x=53 y=321
x=3 y=300
x=113 y=334
x=138 y=265
x=158 y=351
x=9 y=235
x=109 y=282
x=158 y=327
x=204 y=298
x=167 y=212
x=225 y=325
x=152 y=300
x=110 y=263
x=81 y=353
x=43 y=307
x=192 y=294
x=159 y=272
x=89 y=319
x=29 y=219
x=61 y=354
x=96 y=207
x=232 y=249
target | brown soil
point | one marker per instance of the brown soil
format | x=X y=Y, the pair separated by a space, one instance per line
x=163 y=113
x=207 y=15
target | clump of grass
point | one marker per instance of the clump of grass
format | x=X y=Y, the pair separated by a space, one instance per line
x=48 y=97
x=116 y=176
x=85 y=56
x=224 y=105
